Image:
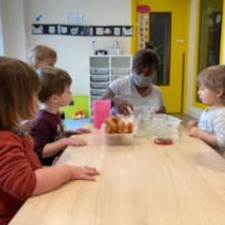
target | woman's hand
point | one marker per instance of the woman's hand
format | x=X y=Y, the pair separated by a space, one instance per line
x=123 y=106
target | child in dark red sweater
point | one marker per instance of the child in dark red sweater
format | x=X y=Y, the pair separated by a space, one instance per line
x=21 y=173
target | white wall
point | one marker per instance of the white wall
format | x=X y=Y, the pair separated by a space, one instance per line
x=1 y=32
x=191 y=110
x=13 y=26
x=73 y=51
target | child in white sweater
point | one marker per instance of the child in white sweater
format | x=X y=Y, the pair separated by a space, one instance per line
x=211 y=126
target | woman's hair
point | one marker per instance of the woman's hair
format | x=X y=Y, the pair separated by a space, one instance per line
x=213 y=78
x=19 y=84
x=148 y=46
x=53 y=81
x=40 y=53
x=144 y=58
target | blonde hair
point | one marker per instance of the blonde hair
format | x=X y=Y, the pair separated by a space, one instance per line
x=53 y=81
x=40 y=53
x=18 y=85
x=213 y=78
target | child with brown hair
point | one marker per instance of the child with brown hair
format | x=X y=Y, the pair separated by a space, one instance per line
x=47 y=129
x=211 y=126
x=42 y=55
x=21 y=173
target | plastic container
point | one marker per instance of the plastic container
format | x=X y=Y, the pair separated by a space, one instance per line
x=142 y=121
x=118 y=139
x=166 y=129
x=101 y=111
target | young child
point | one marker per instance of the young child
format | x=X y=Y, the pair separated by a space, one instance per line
x=21 y=173
x=211 y=125
x=47 y=129
x=42 y=55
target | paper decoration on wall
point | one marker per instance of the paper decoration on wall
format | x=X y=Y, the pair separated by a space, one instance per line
x=38 y=18
x=143 y=22
x=64 y=29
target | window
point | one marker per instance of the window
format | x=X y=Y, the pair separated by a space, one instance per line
x=210 y=33
x=160 y=35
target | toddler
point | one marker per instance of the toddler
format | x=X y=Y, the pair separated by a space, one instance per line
x=42 y=55
x=211 y=125
x=21 y=173
x=47 y=129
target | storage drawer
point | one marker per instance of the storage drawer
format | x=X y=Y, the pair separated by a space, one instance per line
x=99 y=71
x=120 y=71
x=99 y=85
x=100 y=78
x=114 y=77
x=97 y=92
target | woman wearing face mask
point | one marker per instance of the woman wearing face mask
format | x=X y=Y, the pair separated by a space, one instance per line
x=137 y=89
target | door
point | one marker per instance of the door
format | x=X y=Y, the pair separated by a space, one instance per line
x=164 y=23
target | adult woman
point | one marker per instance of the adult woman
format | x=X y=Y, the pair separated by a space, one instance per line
x=137 y=89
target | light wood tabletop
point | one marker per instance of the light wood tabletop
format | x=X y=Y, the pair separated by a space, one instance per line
x=140 y=184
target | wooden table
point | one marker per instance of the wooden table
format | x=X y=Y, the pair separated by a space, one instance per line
x=142 y=184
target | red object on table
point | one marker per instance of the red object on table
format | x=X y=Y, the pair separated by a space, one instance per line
x=163 y=141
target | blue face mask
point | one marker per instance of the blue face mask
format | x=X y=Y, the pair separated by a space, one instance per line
x=141 y=81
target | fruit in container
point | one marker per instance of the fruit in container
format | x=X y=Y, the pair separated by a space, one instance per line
x=114 y=125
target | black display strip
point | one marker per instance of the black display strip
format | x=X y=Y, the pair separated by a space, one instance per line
x=73 y=30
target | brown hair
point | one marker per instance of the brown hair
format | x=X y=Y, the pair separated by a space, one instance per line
x=18 y=85
x=53 y=81
x=39 y=53
x=213 y=78
x=144 y=58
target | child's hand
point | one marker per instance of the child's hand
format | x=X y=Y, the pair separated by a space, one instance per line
x=192 y=123
x=68 y=133
x=82 y=131
x=195 y=132
x=75 y=142
x=83 y=173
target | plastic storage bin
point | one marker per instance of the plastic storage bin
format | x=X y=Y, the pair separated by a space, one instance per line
x=99 y=71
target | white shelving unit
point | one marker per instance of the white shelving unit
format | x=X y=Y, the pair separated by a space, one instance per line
x=104 y=69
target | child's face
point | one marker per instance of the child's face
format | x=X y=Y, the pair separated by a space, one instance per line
x=208 y=96
x=65 y=97
x=46 y=62
x=35 y=105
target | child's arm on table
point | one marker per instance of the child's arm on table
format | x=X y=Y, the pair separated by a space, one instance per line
x=210 y=139
x=49 y=178
x=68 y=133
x=192 y=123
x=51 y=149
